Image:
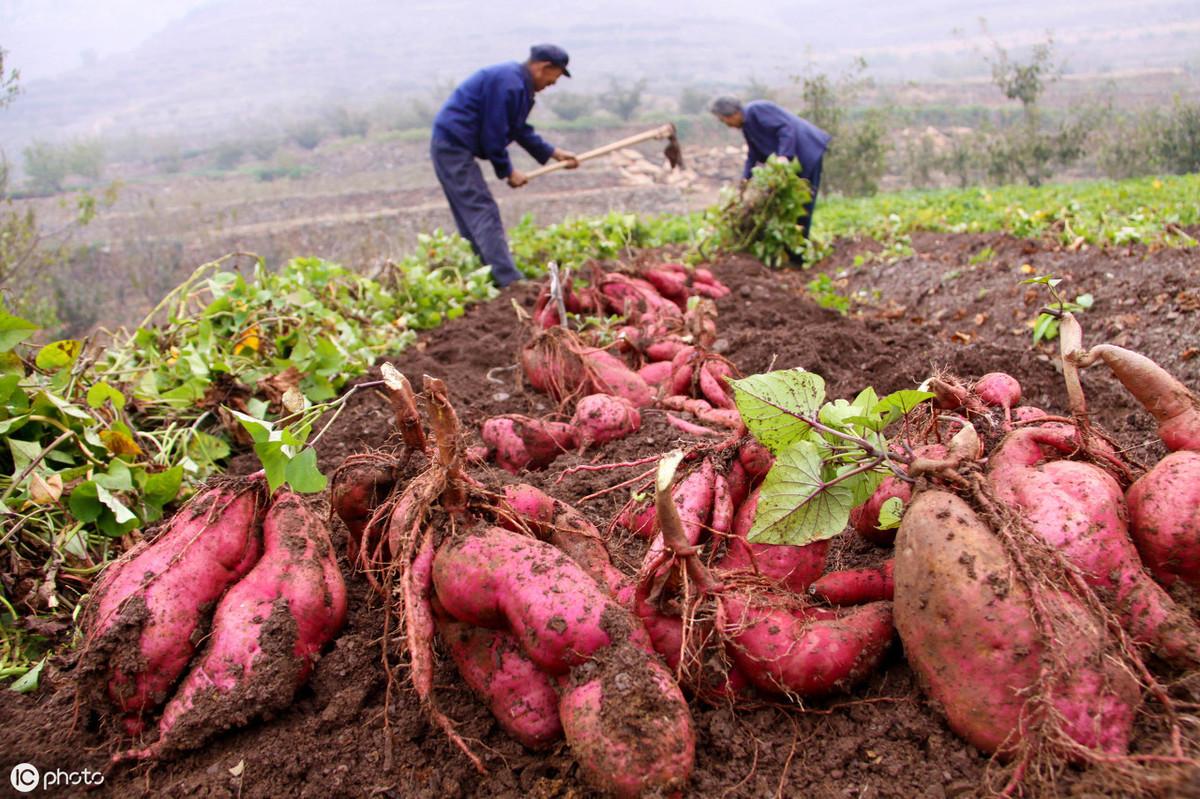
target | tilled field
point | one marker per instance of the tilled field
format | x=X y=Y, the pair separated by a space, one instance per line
x=931 y=311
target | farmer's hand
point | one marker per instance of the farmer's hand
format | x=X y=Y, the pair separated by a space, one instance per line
x=565 y=155
x=517 y=179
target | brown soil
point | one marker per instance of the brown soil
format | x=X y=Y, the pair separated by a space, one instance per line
x=932 y=310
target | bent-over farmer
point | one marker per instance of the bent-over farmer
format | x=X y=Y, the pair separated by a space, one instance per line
x=482 y=117
x=771 y=130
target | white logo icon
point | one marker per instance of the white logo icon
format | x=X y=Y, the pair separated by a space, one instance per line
x=24 y=777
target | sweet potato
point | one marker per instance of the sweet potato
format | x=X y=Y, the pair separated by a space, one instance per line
x=1174 y=407
x=628 y=724
x=520 y=695
x=609 y=375
x=657 y=373
x=1164 y=518
x=1028 y=413
x=999 y=390
x=756 y=459
x=600 y=418
x=552 y=365
x=267 y=632
x=567 y=529
x=522 y=442
x=693 y=497
x=359 y=486
x=856 y=586
x=805 y=652
x=1079 y=509
x=792 y=567
x=665 y=350
x=714 y=389
x=669 y=284
x=503 y=580
x=147 y=611
x=865 y=518
x=969 y=633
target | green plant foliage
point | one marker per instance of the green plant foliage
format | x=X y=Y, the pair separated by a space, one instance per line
x=829 y=456
x=761 y=216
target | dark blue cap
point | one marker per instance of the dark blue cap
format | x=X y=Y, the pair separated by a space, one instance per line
x=552 y=53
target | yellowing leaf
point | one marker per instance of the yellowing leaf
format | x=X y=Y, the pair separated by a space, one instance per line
x=58 y=354
x=45 y=491
x=249 y=340
x=1027 y=269
x=119 y=443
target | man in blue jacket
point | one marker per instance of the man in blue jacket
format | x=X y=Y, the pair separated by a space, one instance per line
x=482 y=117
x=771 y=130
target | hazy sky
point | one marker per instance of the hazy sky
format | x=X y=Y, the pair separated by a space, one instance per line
x=48 y=37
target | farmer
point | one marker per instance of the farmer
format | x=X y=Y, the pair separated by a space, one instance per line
x=771 y=130
x=480 y=119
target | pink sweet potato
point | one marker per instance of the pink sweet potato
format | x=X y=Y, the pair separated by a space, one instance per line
x=610 y=375
x=804 y=652
x=865 y=518
x=714 y=389
x=999 y=390
x=657 y=373
x=1164 y=518
x=1174 y=407
x=1028 y=413
x=628 y=724
x=503 y=580
x=146 y=611
x=693 y=497
x=600 y=418
x=1079 y=509
x=267 y=632
x=665 y=350
x=969 y=633
x=669 y=284
x=359 y=487
x=792 y=567
x=856 y=586
x=756 y=459
x=520 y=695
x=522 y=442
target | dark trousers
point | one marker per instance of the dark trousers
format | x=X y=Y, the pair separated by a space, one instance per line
x=474 y=209
x=813 y=176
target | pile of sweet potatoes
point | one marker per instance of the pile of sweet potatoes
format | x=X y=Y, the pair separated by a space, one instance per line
x=267 y=567
x=1021 y=588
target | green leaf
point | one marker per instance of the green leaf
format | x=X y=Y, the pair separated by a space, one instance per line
x=8 y=386
x=274 y=460
x=898 y=404
x=84 y=502
x=162 y=487
x=58 y=354
x=796 y=506
x=67 y=408
x=302 y=473
x=28 y=681
x=14 y=330
x=102 y=391
x=771 y=403
x=117 y=478
x=23 y=453
x=121 y=513
x=260 y=430
x=1046 y=328
x=8 y=426
x=1085 y=301
x=207 y=448
x=890 y=512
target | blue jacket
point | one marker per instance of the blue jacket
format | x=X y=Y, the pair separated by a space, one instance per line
x=488 y=112
x=771 y=130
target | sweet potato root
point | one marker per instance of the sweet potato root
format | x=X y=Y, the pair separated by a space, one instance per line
x=267 y=632
x=794 y=568
x=628 y=724
x=1079 y=509
x=1174 y=407
x=522 y=442
x=600 y=418
x=520 y=695
x=856 y=586
x=1164 y=518
x=970 y=634
x=149 y=608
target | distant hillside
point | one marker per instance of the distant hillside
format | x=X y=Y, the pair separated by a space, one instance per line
x=230 y=60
